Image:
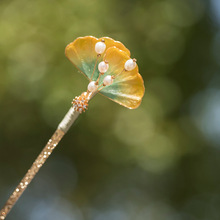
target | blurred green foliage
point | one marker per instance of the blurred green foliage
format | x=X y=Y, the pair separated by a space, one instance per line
x=158 y=162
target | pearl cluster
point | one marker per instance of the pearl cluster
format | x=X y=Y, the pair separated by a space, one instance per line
x=130 y=64
x=103 y=68
x=108 y=80
x=100 y=47
x=93 y=86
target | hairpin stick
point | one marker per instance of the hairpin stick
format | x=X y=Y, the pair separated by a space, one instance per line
x=118 y=79
x=80 y=104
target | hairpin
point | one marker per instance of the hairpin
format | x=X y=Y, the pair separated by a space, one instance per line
x=111 y=72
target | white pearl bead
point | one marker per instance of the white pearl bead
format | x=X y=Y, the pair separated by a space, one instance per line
x=107 y=80
x=103 y=67
x=100 y=47
x=92 y=87
x=130 y=65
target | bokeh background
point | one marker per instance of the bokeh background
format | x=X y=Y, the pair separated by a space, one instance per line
x=158 y=162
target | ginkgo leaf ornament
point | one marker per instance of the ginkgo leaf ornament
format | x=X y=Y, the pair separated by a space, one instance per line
x=109 y=69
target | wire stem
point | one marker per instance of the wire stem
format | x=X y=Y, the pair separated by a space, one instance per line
x=94 y=66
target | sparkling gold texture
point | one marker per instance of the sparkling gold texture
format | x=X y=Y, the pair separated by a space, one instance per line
x=45 y=153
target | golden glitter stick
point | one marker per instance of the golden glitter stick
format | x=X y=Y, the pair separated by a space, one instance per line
x=108 y=66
